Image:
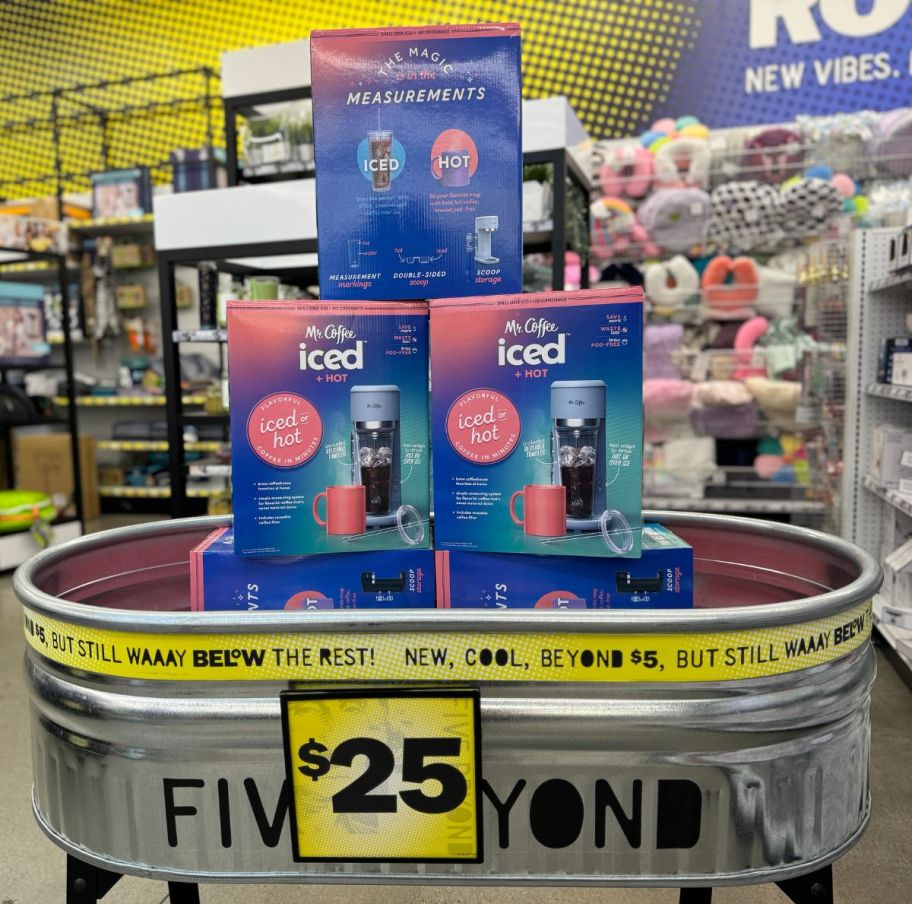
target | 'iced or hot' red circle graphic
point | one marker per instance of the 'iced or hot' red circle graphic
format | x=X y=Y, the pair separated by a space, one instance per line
x=284 y=430
x=483 y=426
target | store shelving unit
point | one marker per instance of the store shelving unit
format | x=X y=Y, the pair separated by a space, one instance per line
x=550 y=129
x=246 y=229
x=258 y=77
x=878 y=308
x=16 y=548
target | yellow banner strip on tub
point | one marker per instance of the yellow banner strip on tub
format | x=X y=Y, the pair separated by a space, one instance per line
x=451 y=656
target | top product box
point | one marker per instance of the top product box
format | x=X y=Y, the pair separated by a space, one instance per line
x=537 y=423
x=418 y=161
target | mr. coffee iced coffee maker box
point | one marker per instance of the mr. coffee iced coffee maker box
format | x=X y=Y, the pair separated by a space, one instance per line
x=418 y=161
x=390 y=579
x=329 y=426
x=537 y=423
x=662 y=578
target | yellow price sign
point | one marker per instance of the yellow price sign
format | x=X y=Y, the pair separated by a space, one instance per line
x=384 y=774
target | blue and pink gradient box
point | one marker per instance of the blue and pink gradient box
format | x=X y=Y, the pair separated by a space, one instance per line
x=221 y=580
x=537 y=423
x=418 y=161
x=662 y=578
x=329 y=426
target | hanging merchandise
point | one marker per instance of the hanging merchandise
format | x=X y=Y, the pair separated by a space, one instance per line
x=683 y=161
x=660 y=342
x=107 y=322
x=744 y=214
x=616 y=232
x=730 y=287
x=676 y=218
x=810 y=205
x=207 y=281
x=892 y=143
x=773 y=155
x=842 y=141
x=629 y=171
x=750 y=332
x=671 y=285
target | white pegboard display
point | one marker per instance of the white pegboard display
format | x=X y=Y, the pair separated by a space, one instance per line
x=876 y=518
x=873 y=317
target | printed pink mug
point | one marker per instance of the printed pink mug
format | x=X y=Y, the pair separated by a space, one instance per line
x=346 y=506
x=544 y=509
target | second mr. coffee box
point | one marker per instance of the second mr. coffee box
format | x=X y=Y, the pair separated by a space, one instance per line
x=418 y=161
x=329 y=426
x=537 y=423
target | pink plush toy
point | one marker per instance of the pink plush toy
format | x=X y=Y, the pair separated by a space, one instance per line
x=616 y=233
x=745 y=340
x=629 y=172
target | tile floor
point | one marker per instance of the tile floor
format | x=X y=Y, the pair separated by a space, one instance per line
x=878 y=870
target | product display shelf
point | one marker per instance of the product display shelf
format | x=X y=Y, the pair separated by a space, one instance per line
x=35 y=271
x=113 y=226
x=149 y=445
x=247 y=229
x=218 y=335
x=887 y=391
x=894 y=281
x=567 y=177
x=875 y=518
x=128 y=401
x=892 y=497
x=15 y=548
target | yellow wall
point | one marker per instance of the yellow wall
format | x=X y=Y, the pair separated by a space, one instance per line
x=613 y=58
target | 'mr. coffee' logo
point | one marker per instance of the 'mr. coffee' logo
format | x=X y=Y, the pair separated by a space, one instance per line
x=333 y=358
x=531 y=352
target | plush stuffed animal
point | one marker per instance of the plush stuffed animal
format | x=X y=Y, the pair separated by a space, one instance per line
x=730 y=286
x=807 y=207
x=683 y=161
x=676 y=218
x=773 y=155
x=748 y=335
x=628 y=171
x=671 y=284
x=617 y=233
x=892 y=144
x=744 y=214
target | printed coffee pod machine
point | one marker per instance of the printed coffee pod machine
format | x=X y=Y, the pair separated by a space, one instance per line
x=375 y=450
x=479 y=242
x=578 y=449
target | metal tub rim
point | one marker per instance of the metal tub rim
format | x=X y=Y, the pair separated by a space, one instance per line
x=616 y=621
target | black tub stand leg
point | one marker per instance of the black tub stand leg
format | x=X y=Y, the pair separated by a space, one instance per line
x=696 y=896
x=814 y=888
x=87 y=884
x=183 y=893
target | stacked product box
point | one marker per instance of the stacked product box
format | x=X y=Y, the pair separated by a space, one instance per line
x=329 y=426
x=418 y=155
x=537 y=408
x=222 y=580
x=537 y=423
x=662 y=578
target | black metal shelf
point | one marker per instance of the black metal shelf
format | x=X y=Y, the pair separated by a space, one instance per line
x=71 y=419
x=245 y=105
x=566 y=176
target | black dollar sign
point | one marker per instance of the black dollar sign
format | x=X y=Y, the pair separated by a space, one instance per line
x=310 y=754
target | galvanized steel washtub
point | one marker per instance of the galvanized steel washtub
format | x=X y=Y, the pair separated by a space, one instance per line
x=738 y=781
